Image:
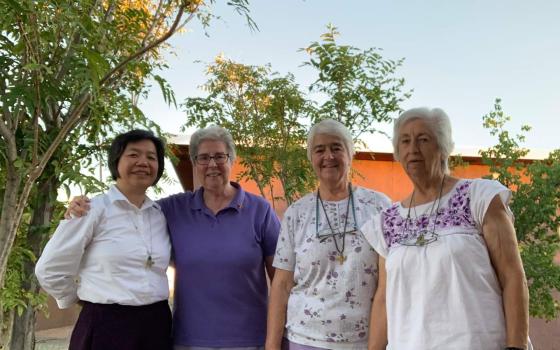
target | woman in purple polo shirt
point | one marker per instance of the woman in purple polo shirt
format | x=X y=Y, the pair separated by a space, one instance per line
x=223 y=242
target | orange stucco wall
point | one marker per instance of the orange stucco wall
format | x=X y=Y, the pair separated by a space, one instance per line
x=381 y=175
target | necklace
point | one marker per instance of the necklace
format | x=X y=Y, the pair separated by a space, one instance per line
x=424 y=237
x=149 y=260
x=340 y=250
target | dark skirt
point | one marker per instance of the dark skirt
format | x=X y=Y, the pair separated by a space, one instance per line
x=122 y=327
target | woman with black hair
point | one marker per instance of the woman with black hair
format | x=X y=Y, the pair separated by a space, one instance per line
x=114 y=260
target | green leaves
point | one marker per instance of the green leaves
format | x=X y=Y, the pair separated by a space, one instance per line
x=535 y=205
x=264 y=113
x=166 y=91
x=359 y=86
x=269 y=115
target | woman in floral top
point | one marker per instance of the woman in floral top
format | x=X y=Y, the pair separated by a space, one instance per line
x=450 y=263
x=326 y=272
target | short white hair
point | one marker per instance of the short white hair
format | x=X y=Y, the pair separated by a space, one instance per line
x=334 y=128
x=438 y=122
x=212 y=133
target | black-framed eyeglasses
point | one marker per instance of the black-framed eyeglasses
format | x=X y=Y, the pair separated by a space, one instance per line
x=204 y=159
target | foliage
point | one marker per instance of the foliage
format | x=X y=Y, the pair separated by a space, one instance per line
x=71 y=74
x=269 y=117
x=358 y=86
x=14 y=295
x=536 y=207
x=263 y=112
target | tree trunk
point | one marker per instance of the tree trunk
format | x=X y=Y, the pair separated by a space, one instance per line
x=7 y=218
x=7 y=319
x=23 y=330
x=42 y=204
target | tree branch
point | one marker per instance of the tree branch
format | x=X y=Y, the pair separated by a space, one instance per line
x=153 y=24
x=74 y=39
x=143 y=50
x=37 y=170
x=6 y=117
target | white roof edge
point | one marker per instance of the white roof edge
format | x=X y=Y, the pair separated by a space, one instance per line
x=534 y=154
x=181 y=139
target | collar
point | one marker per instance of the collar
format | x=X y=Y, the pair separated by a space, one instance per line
x=236 y=203
x=115 y=195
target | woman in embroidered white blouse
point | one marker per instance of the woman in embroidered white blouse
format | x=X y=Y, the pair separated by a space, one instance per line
x=326 y=273
x=451 y=275
x=114 y=260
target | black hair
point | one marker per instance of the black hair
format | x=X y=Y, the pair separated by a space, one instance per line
x=122 y=140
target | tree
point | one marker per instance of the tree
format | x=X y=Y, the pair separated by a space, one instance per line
x=269 y=116
x=264 y=113
x=70 y=74
x=536 y=208
x=359 y=87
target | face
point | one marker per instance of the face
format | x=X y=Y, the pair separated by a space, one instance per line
x=329 y=158
x=138 y=165
x=418 y=150
x=213 y=177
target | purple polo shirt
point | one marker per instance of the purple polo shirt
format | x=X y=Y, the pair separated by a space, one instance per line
x=220 y=284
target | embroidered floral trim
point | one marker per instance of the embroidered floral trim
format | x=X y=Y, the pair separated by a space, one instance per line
x=457 y=212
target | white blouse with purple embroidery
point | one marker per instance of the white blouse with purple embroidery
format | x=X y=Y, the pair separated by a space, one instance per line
x=329 y=305
x=445 y=294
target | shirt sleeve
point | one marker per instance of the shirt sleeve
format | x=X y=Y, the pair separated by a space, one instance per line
x=482 y=192
x=285 y=257
x=59 y=264
x=373 y=232
x=384 y=201
x=270 y=230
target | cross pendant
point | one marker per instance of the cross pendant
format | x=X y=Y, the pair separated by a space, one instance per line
x=149 y=262
x=341 y=259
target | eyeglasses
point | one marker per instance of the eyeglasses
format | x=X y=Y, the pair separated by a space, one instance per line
x=204 y=159
x=327 y=233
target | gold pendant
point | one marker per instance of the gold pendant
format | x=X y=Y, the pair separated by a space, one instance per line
x=149 y=262
x=341 y=259
x=421 y=240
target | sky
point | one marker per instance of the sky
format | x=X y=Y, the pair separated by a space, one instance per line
x=459 y=55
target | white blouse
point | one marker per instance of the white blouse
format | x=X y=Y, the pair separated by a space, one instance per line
x=444 y=294
x=103 y=257
x=329 y=305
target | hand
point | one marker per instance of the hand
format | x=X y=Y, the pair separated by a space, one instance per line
x=78 y=207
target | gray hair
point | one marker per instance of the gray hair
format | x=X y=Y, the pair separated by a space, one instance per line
x=212 y=133
x=334 y=128
x=439 y=123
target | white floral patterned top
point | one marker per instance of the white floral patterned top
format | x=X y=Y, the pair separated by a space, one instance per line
x=329 y=305
x=445 y=294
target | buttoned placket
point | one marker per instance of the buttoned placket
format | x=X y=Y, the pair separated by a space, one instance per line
x=142 y=225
